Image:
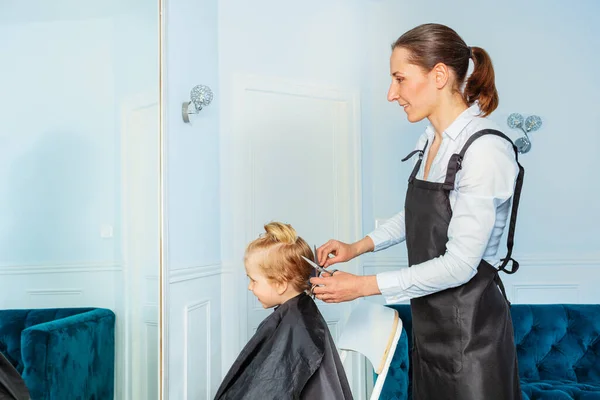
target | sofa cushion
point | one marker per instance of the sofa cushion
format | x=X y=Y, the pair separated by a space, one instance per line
x=555 y=390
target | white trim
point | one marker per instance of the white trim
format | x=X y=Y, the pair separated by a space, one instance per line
x=188 y=309
x=279 y=85
x=58 y=268
x=518 y=288
x=201 y=271
x=55 y=292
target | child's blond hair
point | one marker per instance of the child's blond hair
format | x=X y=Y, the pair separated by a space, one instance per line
x=282 y=250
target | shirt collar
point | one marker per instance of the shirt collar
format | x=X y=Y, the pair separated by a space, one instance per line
x=457 y=126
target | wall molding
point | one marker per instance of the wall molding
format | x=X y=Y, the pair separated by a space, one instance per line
x=518 y=289
x=206 y=304
x=55 y=292
x=58 y=268
x=334 y=328
x=292 y=87
x=532 y=260
x=201 y=271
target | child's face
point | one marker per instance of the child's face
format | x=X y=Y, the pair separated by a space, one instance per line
x=260 y=286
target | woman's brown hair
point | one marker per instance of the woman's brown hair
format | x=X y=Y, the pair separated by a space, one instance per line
x=430 y=44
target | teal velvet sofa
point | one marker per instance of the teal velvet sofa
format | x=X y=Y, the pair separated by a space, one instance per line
x=558 y=348
x=61 y=353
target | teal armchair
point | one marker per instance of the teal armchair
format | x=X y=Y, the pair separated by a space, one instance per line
x=61 y=353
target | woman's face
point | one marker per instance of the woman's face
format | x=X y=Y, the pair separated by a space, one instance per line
x=414 y=89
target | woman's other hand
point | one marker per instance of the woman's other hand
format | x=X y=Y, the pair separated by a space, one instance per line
x=341 y=251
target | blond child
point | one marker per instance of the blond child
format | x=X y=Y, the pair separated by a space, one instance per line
x=292 y=354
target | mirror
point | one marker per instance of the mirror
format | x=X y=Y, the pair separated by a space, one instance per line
x=79 y=197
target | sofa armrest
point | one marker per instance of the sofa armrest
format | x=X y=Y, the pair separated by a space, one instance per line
x=70 y=358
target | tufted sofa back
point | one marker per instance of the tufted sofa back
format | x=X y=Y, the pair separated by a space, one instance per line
x=558 y=342
x=555 y=342
x=13 y=322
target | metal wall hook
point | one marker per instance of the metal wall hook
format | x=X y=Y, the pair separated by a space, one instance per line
x=531 y=124
x=200 y=96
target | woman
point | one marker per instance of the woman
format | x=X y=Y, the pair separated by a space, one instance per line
x=455 y=211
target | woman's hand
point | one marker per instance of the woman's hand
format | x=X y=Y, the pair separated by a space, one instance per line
x=341 y=251
x=342 y=286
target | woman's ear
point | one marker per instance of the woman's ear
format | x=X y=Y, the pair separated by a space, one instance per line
x=441 y=75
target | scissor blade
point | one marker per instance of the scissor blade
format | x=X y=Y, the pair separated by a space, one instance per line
x=314 y=265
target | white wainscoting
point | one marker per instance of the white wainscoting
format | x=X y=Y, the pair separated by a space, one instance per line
x=54 y=286
x=194 y=333
x=197 y=345
x=541 y=279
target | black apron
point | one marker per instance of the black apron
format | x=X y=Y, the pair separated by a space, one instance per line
x=463 y=340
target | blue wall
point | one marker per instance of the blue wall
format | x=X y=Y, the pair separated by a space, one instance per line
x=191 y=150
x=545 y=54
x=65 y=72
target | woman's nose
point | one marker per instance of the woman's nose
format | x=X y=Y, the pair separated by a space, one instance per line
x=392 y=93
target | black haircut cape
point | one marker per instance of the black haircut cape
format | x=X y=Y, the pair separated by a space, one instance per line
x=291 y=356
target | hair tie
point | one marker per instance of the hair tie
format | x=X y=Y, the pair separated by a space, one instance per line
x=470 y=52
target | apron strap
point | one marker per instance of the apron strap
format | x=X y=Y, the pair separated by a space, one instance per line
x=455 y=164
x=513 y=223
x=499 y=283
x=418 y=164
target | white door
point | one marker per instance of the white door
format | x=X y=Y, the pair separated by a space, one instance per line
x=140 y=145
x=191 y=312
x=293 y=156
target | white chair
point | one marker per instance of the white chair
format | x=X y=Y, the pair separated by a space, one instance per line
x=372 y=330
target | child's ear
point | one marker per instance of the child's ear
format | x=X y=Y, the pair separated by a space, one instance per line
x=281 y=287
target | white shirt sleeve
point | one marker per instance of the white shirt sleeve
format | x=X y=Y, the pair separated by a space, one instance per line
x=486 y=180
x=390 y=233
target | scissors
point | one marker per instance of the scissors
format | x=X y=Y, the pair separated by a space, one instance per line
x=317 y=267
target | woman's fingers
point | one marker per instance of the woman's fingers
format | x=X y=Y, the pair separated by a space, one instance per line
x=339 y=250
x=324 y=250
x=320 y=281
x=326 y=299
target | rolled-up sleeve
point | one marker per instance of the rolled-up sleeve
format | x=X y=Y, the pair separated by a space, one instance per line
x=486 y=180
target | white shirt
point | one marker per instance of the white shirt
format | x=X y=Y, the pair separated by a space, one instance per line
x=480 y=209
